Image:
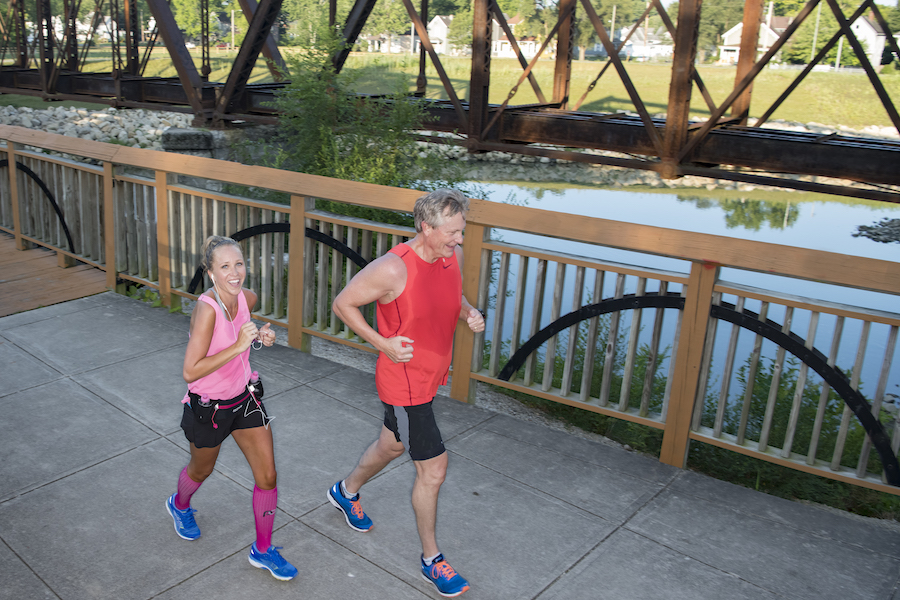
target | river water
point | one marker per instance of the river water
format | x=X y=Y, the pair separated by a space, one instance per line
x=800 y=219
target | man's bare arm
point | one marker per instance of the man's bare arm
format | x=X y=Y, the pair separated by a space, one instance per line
x=382 y=280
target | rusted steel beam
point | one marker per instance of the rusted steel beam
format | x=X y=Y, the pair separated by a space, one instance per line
x=181 y=58
x=132 y=37
x=679 y=107
x=17 y=7
x=753 y=10
x=45 y=44
x=863 y=58
x=670 y=27
x=652 y=132
x=497 y=113
x=435 y=60
x=70 y=40
x=205 y=63
x=501 y=20
x=277 y=66
x=562 y=71
x=356 y=20
x=421 y=81
x=480 y=77
x=696 y=138
x=608 y=62
x=820 y=55
x=257 y=32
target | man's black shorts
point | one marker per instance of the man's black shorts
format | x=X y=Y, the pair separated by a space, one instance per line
x=198 y=424
x=416 y=428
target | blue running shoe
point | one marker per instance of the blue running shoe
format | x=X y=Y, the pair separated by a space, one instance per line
x=353 y=512
x=185 y=526
x=448 y=582
x=273 y=561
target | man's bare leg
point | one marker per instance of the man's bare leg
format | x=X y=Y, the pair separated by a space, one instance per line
x=430 y=475
x=376 y=457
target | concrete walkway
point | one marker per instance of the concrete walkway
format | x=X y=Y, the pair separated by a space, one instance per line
x=91 y=447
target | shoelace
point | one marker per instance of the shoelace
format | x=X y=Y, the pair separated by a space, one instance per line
x=356 y=510
x=187 y=517
x=273 y=555
x=441 y=569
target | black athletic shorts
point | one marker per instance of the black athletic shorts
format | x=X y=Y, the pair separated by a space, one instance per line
x=416 y=428
x=198 y=421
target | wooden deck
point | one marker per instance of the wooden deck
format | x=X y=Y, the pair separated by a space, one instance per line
x=32 y=278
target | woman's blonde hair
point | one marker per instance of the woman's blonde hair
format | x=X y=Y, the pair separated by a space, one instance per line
x=213 y=243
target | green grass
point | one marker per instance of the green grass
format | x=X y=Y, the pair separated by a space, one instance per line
x=827 y=98
x=38 y=103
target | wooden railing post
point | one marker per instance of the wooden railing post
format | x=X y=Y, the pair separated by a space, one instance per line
x=687 y=363
x=462 y=387
x=299 y=272
x=14 y=195
x=109 y=228
x=163 y=247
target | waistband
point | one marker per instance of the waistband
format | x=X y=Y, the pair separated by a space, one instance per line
x=231 y=402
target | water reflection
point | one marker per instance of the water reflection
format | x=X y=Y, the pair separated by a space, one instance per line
x=812 y=221
x=800 y=219
x=749 y=214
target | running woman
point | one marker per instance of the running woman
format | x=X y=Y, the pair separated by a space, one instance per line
x=224 y=399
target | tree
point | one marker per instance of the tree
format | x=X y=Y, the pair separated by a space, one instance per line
x=892 y=15
x=446 y=7
x=305 y=18
x=459 y=35
x=799 y=50
x=389 y=17
x=188 y=16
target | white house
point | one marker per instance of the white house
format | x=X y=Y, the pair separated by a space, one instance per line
x=501 y=47
x=643 y=45
x=867 y=31
x=769 y=32
x=871 y=36
x=438 y=31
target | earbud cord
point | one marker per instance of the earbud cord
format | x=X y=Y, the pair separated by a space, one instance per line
x=233 y=329
x=266 y=418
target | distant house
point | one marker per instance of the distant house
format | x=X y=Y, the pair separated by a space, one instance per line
x=769 y=32
x=643 y=45
x=438 y=32
x=867 y=31
x=501 y=47
x=872 y=37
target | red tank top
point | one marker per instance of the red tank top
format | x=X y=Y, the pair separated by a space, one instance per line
x=426 y=312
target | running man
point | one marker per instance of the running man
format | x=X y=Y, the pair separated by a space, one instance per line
x=418 y=289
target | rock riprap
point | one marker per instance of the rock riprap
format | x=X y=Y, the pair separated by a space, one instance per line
x=133 y=127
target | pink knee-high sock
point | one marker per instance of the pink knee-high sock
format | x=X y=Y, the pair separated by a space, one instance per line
x=186 y=489
x=264 y=503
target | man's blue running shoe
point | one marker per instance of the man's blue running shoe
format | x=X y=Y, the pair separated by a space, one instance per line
x=273 y=561
x=185 y=525
x=353 y=512
x=448 y=582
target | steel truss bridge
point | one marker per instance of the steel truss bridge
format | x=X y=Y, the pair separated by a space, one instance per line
x=724 y=146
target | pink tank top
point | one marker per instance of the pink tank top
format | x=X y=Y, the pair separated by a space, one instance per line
x=230 y=379
x=426 y=312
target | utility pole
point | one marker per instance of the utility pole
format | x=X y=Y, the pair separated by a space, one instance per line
x=812 y=51
x=612 y=30
x=232 y=29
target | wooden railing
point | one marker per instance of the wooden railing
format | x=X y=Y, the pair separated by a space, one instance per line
x=793 y=380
